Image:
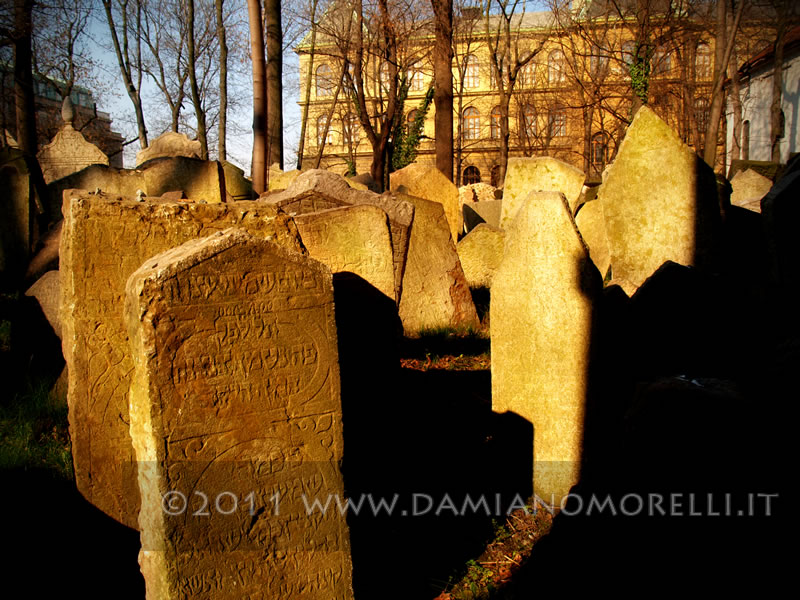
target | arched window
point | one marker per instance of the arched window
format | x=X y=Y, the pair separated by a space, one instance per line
x=527 y=75
x=411 y=117
x=494 y=123
x=324 y=81
x=416 y=79
x=557 y=122
x=351 y=129
x=556 y=68
x=662 y=61
x=471 y=175
x=702 y=61
x=701 y=114
x=328 y=139
x=494 y=178
x=598 y=61
x=628 y=49
x=383 y=77
x=471 y=124
x=527 y=122
x=472 y=76
x=599 y=150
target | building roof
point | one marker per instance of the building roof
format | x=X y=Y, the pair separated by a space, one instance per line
x=765 y=57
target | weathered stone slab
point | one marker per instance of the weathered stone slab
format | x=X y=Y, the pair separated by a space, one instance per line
x=200 y=180
x=105 y=239
x=353 y=239
x=237 y=186
x=480 y=253
x=435 y=291
x=541 y=173
x=47 y=291
x=121 y=182
x=17 y=198
x=541 y=315
x=485 y=211
x=167 y=145
x=659 y=201
x=236 y=421
x=749 y=187
x=592 y=226
x=280 y=180
x=68 y=153
x=316 y=190
x=428 y=182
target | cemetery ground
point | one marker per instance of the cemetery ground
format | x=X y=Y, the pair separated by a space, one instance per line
x=441 y=440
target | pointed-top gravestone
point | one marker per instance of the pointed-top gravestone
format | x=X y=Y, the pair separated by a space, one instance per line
x=428 y=182
x=659 y=202
x=169 y=144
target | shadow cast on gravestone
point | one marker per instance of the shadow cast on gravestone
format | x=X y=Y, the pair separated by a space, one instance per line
x=57 y=544
x=685 y=431
x=427 y=465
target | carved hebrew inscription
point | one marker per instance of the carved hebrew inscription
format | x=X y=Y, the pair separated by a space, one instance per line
x=236 y=422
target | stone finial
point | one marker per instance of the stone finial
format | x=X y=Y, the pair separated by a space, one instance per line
x=67 y=111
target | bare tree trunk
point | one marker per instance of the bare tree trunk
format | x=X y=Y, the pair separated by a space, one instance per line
x=199 y=112
x=272 y=14
x=443 y=88
x=123 y=59
x=736 y=108
x=776 y=114
x=329 y=117
x=223 y=81
x=23 y=77
x=259 y=163
x=309 y=83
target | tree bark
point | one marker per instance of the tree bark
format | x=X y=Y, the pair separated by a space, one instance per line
x=23 y=77
x=223 y=81
x=272 y=10
x=197 y=101
x=259 y=163
x=443 y=86
x=309 y=83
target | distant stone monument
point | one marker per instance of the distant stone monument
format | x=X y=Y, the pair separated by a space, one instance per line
x=660 y=202
x=428 y=182
x=435 y=291
x=69 y=151
x=105 y=239
x=352 y=239
x=237 y=424
x=538 y=174
x=541 y=315
x=169 y=145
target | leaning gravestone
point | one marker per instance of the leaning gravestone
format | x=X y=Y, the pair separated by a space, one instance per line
x=18 y=209
x=352 y=239
x=539 y=174
x=236 y=421
x=480 y=253
x=660 y=202
x=592 y=226
x=200 y=180
x=105 y=239
x=485 y=211
x=435 y=291
x=749 y=187
x=428 y=182
x=169 y=144
x=541 y=315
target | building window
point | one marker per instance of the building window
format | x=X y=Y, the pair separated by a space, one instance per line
x=324 y=81
x=701 y=114
x=503 y=76
x=352 y=131
x=527 y=75
x=598 y=62
x=417 y=79
x=328 y=139
x=702 y=62
x=599 y=150
x=494 y=178
x=746 y=140
x=662 y=61
x=383 y=77
x=471 y=124
x=528 y=122
x=411 y=117
x=494 y=123
x=628 y=51
x=472 y=77
x=471 y=175
x=557 y=123
x=556 y=71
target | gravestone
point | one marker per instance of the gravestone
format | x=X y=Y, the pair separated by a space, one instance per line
x=592 y=226
x=237 y=186
x=237 y=424
x=105 y=239
x=749 y=187
x=167 y=145
x=279 y=179
x=435 y=291
x=480 y=253
x=476 y=192
x=485 y=211
x=352 y=239
x=69 y=151
x=428 y=182
x=316 y=190
x=17 y=207
x=47 y=291
x=539 y=174
x=660 y=202
x=541 y=315
x=200 y=180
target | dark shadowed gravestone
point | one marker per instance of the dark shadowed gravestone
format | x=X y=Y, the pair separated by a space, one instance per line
x=236 y=422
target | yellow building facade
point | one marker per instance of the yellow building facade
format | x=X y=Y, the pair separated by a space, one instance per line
x=571 y=95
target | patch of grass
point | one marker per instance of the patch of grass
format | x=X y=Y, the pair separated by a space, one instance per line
x=456 y=346
x=34 y=433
